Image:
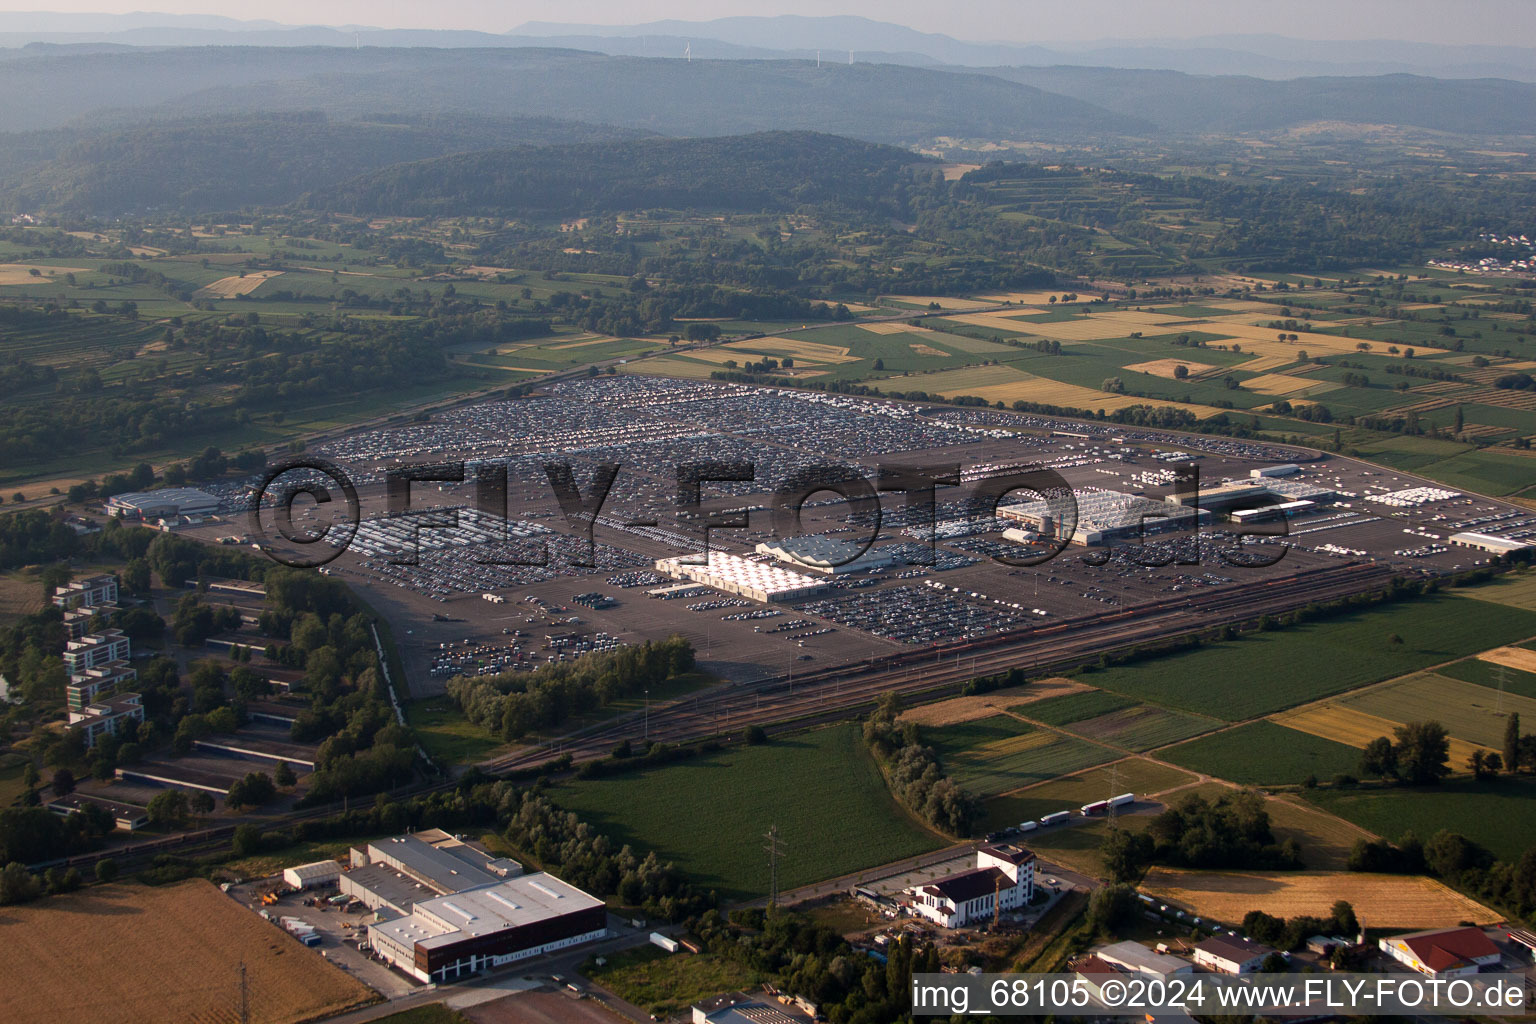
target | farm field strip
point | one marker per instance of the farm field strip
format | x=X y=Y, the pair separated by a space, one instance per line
x=143 y=955
x=968 y=709
x=1468 y=711
x=1355 y=728
x=1511 y=657
x=994 y=755
x=1380 y=901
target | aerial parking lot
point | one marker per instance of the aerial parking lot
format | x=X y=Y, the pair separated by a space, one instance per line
x=474 y=593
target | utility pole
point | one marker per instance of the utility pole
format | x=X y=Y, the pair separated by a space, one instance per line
x=1501 y=674
x=647 y=714
x=774 y=849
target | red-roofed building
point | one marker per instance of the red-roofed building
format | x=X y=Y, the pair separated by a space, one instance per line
x=1443 y=953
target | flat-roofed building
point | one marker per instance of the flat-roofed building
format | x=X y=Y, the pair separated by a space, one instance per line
x=449 y=937
x=1104 y=516
x=1488 y=542
x=1231 y=954
x=113 y=716
x=95 y=650
x=397 y=873
x=743 y=577
x=1138 y=959
x=93 y=684
x=167 y=503
x=87 y=593
x=830 y=555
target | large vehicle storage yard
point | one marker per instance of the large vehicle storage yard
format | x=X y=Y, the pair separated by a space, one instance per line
x=908 y=625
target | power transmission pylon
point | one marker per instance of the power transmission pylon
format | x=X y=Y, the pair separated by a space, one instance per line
x=1114 y=783
x=1501 y=675
x=774 y=849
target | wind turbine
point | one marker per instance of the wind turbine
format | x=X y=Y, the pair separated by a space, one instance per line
x=688 y=52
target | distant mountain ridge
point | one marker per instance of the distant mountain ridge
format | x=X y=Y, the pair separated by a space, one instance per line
x=768 y=171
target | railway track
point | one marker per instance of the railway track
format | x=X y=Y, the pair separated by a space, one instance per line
x=781 y=704
x=834 y=693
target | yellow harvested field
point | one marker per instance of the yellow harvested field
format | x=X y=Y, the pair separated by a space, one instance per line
x=1101 y=328
x=229 y=287
x=1313 y=343
x=1263 y=363
x=928 y=350
x=1513 y=657
x=954 y=172
x=1167 y=367
x=21 y=273
x=1008 y=384
x=943 y=301
x=141 y=955
x=968 y=709
x=1326 y=840
x=1280 y=384
x=1355 y=728
x=1380 y=901
x=811 y=351
x=887 y=327
x=996 y=322
x=582 y=342
x=1023 y=298
x=717 y=355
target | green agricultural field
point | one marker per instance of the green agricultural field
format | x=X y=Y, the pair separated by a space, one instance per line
x=1517 y=589
x=1500 y=814
x=1468 y=711
x=1073 y=707
x=998 y=754
x=432 y=1013
x=1143 y=727
x=1131 y=775
x=1264 y=754
x=663 y=983
x=1485 y=673
x=821 y=788
x=1262 y=673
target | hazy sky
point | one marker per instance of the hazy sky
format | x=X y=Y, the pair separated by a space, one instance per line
x=1499 y=22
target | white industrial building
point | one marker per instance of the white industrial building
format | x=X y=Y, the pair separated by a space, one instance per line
x=311 y=875
x=1135 y=958
x=743 y=577
x=820 y=553
x=1104 y=516
x=1487 y=542
x=167 y=503
x=1231 y=954
x=1003 y=880
x=393 y=875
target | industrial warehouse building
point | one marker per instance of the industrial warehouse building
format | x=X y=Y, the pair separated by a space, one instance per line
x=1104 y=516
x=1231 y=954
x=1443 y=953
x=825 y=554
x=168 y=503
x=311 y=875
x=1488 y=542
x=1252 y=493
x=446 y=938
x=743 y=577
x=393 y=875
x=1003 y=880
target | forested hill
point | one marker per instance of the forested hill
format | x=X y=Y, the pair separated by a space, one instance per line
x=747 y=173
x=1231 y=103
x=218 y=164
x=877 y=102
